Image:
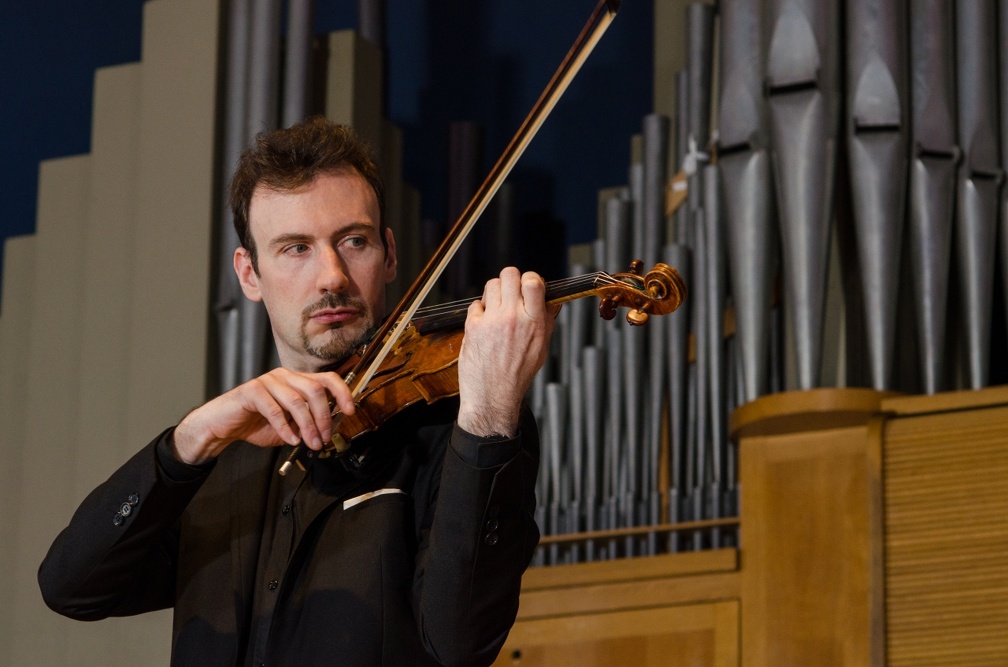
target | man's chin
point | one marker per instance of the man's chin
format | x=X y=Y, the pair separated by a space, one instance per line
x=333 y=346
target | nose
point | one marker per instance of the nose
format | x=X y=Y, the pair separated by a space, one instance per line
x=332 y=275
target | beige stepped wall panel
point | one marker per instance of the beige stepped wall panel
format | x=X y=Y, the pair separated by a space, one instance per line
x=669 y=52
x=175 y=212
x=17 y=307
x=53 y=353
x=669 y=58
x=108 y=275
x=354 y=86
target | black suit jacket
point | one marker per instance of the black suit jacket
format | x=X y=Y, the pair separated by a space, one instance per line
x=426 y=573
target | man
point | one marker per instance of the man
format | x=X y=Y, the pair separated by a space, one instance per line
x=416 y=558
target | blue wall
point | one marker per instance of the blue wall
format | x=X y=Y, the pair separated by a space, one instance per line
x=447 y=60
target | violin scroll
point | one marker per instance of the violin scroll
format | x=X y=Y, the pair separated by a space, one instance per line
x=658 y=292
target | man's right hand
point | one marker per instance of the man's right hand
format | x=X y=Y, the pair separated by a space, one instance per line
x=280 y=407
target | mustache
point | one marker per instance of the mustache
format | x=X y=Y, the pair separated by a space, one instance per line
x=333 y=300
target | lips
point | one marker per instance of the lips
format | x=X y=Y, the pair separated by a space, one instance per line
x=330 y=316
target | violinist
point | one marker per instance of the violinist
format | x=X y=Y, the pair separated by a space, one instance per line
x=413 y=558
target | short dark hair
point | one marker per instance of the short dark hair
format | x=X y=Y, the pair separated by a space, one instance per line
x=294 y=157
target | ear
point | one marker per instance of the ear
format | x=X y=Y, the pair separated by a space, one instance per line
x=247 y=277
x=390 y=256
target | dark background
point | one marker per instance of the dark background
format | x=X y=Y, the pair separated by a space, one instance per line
x=446 y=60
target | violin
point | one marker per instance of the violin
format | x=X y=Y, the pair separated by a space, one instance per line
x=423 y=363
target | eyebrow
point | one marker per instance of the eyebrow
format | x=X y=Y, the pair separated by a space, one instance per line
x=295 y=237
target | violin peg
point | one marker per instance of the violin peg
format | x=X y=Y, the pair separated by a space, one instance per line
x=637 y=318
x=637 y=267
x=607 y=309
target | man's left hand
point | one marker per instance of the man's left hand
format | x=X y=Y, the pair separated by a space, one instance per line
x=507 y=335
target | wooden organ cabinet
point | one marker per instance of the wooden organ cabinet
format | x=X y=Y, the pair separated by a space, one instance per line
x=874 y=531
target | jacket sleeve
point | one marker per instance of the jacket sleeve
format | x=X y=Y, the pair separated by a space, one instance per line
x=117 y=556
x=476 y=545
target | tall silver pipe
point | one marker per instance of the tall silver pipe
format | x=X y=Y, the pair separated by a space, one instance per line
x=744 y=159
x=683 y=224
x=715 y=291
x=262 y=115
x=556 y=416
x=979 y=176
x=614 y=434
x=1003 y=62
x=599 y=263
x=298 y=61
x=701 y=325
x=371 y=21
x=593 y=362
x=656 y=129
x=677 y=339
x=618 y=235
x=576 y=393
x=932 y=178
x=699 y=66
x=229 y=295
x=656 y=397
x=577 y=331
x=562 y=341
x=617 y=245
x=264 y=68
x=803 y=97
x=634 y=349
x=635 y=194
x=877 y=150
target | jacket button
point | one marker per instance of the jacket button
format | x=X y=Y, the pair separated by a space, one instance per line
x=117 y=519
x=492 y=525
x=126 y=509
x=285 y=510
x=273 y=585
x=491 y=539
x=133 y=499
x=494 y=509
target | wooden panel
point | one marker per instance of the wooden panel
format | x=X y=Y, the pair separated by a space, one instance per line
x=611 y=597
x=696 y=634
x=631 y=569
x=811 y=581
x=946 y=401
x=806 y=411
x=946 y=500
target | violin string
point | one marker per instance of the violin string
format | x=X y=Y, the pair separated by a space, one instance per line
x=576 y=282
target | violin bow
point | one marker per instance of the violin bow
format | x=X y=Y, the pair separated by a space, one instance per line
x=399 y=318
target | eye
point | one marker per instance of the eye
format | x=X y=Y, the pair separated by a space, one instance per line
x=296 y=249
x=356 y=241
